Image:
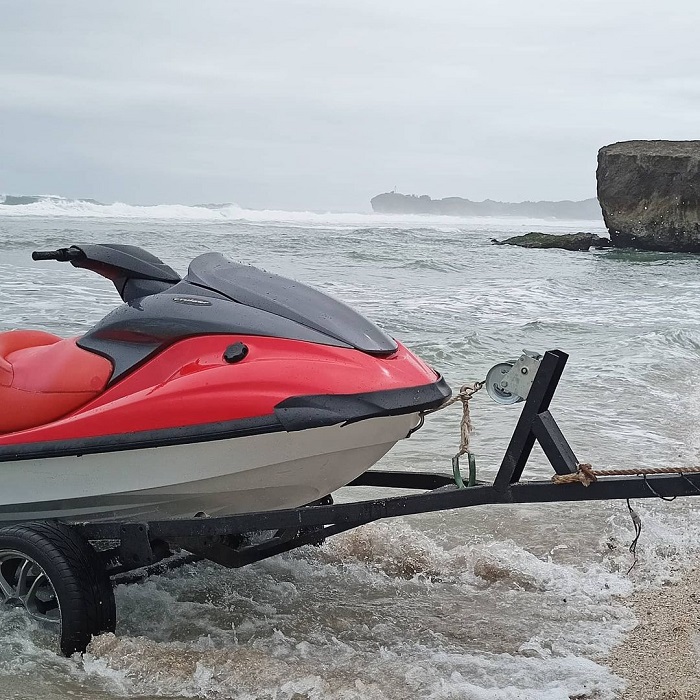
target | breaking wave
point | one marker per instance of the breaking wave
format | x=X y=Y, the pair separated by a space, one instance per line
x=56 y=207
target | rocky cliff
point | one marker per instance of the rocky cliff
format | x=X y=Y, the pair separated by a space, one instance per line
x=395 y=203
x=649 y=192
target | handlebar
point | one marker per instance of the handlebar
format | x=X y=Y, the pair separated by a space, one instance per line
x=62 y=254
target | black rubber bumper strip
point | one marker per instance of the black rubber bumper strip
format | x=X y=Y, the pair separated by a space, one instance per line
x=294 y=414
x=301 y=412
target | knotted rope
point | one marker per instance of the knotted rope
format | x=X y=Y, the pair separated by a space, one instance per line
x=465 y=428
x=586 y=475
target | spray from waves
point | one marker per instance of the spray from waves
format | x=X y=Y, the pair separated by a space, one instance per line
x=205 y=632
x=58 y=207
x=668 y=548
x=398 y=550
x=363 y=639
x=284 y=668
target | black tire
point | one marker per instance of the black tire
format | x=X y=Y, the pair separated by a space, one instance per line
x=76 y=574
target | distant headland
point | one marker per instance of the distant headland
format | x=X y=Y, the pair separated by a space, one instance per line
x=396 y=203
x=18 y=200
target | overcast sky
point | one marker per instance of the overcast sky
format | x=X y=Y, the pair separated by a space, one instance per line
x=321 y=104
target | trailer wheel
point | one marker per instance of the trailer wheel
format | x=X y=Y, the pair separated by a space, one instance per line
x=52 y=571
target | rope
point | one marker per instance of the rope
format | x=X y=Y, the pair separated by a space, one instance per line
x=465 y=428
x=465 y=425
x=637 y=524
x=586 y=475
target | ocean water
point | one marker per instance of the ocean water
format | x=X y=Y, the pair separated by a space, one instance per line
x=505 y=602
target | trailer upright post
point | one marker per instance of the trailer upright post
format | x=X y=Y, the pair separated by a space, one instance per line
x=537 y=423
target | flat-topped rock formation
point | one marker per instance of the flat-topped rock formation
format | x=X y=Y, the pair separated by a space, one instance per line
x=649 y=192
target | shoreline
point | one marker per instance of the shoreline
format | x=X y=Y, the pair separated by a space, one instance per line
x=660 y=657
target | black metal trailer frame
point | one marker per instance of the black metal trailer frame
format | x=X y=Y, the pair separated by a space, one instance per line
x=226 y=540
x=70 y=564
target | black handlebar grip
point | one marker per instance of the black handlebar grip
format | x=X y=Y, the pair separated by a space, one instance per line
x=62 y=254
x=45 y=255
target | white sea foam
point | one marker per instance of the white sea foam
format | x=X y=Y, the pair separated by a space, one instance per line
x=56 y=207
x=217 y=634
x=384 y=612
x=282 y=668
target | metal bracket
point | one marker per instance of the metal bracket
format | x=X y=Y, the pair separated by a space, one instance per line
x=522 y=374
x=135 y=548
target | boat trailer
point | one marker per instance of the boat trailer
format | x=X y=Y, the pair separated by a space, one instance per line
x=118 y=548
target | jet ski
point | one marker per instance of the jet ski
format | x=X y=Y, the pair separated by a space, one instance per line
x=230 y=390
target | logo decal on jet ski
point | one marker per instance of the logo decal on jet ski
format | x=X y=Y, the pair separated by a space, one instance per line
x=191 y=301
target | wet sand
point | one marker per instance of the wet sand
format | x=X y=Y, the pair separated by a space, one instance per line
x=660 y=659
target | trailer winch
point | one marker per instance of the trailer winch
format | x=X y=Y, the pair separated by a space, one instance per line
x=509 y=382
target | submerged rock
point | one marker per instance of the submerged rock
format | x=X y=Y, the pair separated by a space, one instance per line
x=566 y=241
x=649 y=192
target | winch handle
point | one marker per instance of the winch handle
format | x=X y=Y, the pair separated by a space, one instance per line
x=62 y=254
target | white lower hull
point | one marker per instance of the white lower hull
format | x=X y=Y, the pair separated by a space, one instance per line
x=220 y=477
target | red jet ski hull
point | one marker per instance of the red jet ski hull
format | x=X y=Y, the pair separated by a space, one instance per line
x=189 y=432
x=190 y=384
